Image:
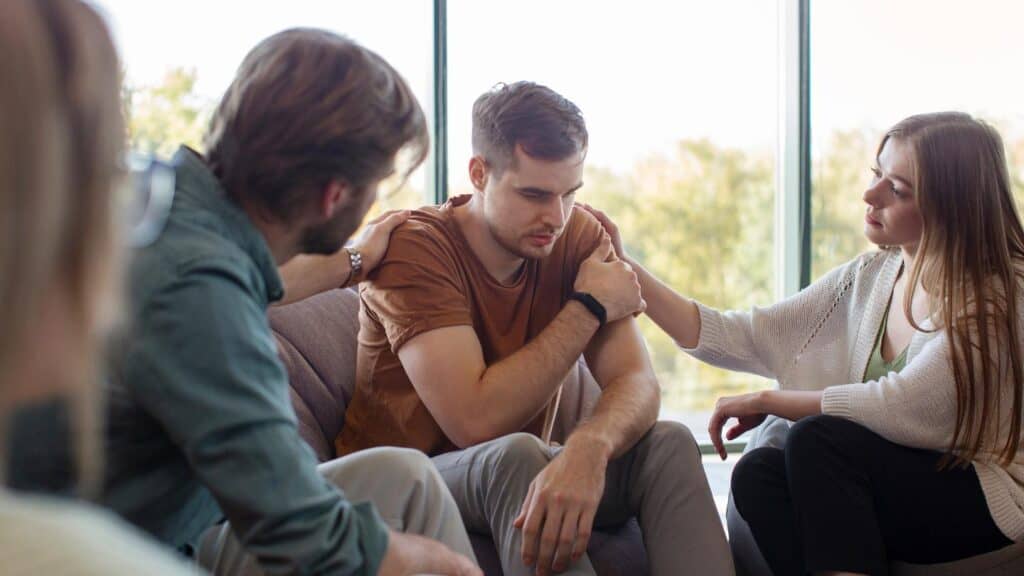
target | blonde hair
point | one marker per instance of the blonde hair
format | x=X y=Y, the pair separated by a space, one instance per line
x=61 y=135
x=969 y=261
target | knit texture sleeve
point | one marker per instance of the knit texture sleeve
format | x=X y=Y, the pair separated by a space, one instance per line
x=762 y=340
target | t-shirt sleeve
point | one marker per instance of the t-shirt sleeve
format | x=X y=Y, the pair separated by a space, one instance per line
x=418 y=287
x=584 y=235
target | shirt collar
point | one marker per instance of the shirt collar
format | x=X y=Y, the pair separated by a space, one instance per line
x=199 y=189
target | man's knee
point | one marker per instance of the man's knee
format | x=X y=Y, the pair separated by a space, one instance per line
x=672 y=439
x=508 y=466
x=520 y=451
x=395 y=464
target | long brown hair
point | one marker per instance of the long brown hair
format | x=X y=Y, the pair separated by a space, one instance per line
x=60 y=142
x=969 y=261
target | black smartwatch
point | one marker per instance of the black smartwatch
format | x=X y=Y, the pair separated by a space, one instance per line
x=595 y=307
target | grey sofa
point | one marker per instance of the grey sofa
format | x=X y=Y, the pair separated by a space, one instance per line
x=317 y=342
x=749 y=562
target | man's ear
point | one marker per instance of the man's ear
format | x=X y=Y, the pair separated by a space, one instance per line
x=336 y=194
x=478 y=173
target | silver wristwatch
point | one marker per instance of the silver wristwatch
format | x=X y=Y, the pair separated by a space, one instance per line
x=355 y=264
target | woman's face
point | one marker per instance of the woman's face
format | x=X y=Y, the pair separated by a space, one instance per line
x=892 y=217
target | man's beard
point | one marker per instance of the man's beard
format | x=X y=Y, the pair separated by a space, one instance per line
x=330 y=236
x=510 y=245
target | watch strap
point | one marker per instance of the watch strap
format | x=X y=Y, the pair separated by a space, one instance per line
x=355 y=264
x=591 y=303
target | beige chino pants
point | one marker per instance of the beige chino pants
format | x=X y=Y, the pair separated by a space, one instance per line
x=660 y=481
x=404 y=486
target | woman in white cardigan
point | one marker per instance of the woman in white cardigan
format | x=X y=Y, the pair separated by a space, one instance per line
x=902 y=369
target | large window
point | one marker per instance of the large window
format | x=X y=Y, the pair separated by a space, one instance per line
x=874 y=62
x=681 y=103
x=179 y=59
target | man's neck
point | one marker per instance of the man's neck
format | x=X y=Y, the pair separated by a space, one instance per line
x=498 y=261
x=283 y=244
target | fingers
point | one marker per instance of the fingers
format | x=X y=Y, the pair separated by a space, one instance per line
x=531 y=531
x=527 y=503
x=742 y=425
x=603 y=218
x=642 y=309
x=549 y=540
x=586 y=524
x=566 y=541
x=390 y=220
x=735 y=431
x=715 y=430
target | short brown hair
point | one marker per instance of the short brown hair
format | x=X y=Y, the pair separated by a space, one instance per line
x=308 y=106
x=543 y=122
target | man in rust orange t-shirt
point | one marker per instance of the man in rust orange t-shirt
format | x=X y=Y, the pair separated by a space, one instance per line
x=470 y=324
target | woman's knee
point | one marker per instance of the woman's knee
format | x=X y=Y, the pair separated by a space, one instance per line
x=810 y=436
x=754 y=471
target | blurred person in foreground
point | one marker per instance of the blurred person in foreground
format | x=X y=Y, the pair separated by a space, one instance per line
x=61 y=137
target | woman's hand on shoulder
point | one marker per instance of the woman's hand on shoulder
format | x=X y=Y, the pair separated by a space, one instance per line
x=609 y=227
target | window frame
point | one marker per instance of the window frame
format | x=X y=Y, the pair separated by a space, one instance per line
x=792 y=235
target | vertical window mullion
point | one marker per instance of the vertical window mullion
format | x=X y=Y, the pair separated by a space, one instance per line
x=438 y=170
x=789 y=180
x=806 y=223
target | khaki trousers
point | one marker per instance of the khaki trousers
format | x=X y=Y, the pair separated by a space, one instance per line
x=404 y=486
x=660 y=481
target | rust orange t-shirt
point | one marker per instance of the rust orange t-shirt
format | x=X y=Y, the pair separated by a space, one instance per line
x=430 y=279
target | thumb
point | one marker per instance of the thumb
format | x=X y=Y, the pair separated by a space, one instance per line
x=604 y=250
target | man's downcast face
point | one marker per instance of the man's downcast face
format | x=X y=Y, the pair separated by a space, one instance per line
x=529 y=204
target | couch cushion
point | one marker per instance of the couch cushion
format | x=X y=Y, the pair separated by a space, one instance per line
x=317 y=343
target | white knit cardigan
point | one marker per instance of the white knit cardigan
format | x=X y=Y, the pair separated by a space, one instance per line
x=822 y=338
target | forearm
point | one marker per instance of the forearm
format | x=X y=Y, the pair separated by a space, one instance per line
x=524 y=382
x=791 y=404
x=627 y=409
x=306 y=275
x=677 y=315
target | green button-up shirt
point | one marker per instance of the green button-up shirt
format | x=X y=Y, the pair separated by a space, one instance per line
x=200 y=422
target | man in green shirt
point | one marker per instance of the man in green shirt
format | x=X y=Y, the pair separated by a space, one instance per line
x=201 y=428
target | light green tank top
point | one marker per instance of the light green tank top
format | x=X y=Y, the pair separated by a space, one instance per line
x=877 y=367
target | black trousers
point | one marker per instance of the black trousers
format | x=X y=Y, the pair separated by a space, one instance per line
x=840 y=497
